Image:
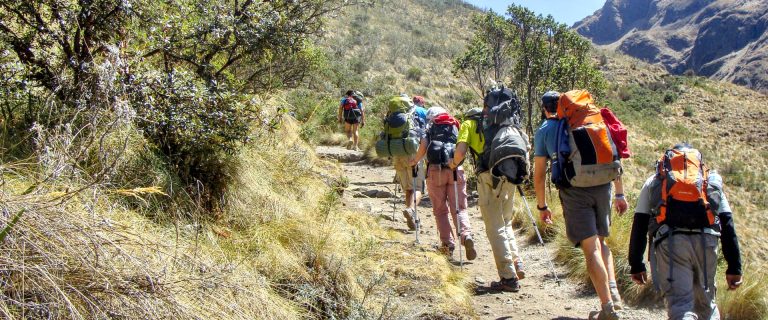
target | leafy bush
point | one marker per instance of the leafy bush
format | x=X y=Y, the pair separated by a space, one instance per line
x=414 y=74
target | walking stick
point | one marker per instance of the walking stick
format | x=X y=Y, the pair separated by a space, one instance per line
x=541 y=240
x=414 y=173
x=458 y=220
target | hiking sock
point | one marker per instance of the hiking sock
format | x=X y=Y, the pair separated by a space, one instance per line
x=615 y=296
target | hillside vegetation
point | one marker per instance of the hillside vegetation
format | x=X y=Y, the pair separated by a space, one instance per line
x=157 y=160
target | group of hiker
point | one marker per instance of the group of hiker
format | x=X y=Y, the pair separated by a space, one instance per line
x=680 y=213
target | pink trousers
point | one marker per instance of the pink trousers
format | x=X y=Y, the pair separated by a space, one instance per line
x=440 y=186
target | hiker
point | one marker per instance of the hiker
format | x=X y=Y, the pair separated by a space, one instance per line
x=404 y=127
x=352 y=115
x=683 y=234
x=447 y=188
x=495 y=200
x=585 y=199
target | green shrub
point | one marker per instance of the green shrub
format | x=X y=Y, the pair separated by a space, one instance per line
x=688 y=111
x=414 y=74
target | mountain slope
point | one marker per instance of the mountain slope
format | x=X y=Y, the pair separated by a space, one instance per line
x=721 y=39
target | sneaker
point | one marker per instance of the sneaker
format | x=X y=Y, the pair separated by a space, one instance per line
x=469 y=246
x=519 y=269
x=608 y=312
x=349 y=144
x=407 y=213
x=508 y=285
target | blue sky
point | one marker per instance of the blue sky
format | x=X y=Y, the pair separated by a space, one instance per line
x=565 y=11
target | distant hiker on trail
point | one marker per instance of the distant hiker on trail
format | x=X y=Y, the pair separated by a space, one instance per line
x=447 y=188
x=584 y=162
x=682 y=209
x=352 y=115
x=496 y=199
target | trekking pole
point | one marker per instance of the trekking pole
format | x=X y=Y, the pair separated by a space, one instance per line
x=458 y=220
x=416 y=221
x=394 y=200
x=541 y=240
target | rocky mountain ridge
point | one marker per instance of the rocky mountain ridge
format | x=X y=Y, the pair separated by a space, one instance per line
x=721 y=39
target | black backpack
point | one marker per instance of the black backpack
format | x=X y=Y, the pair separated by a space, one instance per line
x=442 y=143
x=505 y=152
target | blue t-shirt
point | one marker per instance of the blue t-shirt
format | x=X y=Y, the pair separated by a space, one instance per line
x=422 y=113
x=545 y=140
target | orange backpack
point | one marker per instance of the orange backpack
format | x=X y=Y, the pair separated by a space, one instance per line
x=684 y=179
x=593 y=158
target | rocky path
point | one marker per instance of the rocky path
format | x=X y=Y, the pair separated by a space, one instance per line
x=371 y=190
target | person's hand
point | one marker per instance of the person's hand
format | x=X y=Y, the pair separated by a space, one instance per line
x=546 y=215
x=451 y=165
x=339 y=118
x=734 y=281
x=621 y=205
x=362 y=124
x=413 y=162
x=640 y=278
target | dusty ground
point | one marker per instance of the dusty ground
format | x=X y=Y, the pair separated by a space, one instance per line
x=540 y=297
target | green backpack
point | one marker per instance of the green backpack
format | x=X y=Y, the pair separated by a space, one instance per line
x=401 y=134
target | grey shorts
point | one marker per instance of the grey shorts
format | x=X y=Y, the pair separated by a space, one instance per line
x=587 y=212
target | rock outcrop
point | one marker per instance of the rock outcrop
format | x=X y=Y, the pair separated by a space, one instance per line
x=721 y=39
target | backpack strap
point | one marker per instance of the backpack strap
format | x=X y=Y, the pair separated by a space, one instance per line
x=662 y=170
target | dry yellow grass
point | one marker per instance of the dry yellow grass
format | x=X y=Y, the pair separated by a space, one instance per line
x=283 y=249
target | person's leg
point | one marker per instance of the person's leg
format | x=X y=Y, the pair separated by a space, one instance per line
x=705 y=293
x=596 y=268
x=675 y=253
x=490 y=209
x=607 y=257
x=355 y=135
x=461 y=187
x=507 y=207
x=458 y=190
x=438 y=194
x=405 y=179
x=348 y=132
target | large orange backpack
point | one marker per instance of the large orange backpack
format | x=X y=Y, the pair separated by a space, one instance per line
x=684 y=179
x=593 y=159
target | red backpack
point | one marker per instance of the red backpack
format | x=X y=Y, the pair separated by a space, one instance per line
x=350 y=103
x=618 y=132
x=684 y=179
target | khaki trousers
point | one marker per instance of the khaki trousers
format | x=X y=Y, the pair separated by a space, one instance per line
x=496 y=207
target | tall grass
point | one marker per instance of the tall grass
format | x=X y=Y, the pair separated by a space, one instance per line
x=283 y=247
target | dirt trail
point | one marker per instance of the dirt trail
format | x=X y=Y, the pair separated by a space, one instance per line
x=540 y=297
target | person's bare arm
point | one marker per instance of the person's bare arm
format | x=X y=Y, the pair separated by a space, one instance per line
x=420 y=153
x=539 y=181
x=458 y=155
x=620 y=203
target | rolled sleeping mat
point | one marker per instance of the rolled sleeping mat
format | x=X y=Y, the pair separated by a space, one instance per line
x=396 y=147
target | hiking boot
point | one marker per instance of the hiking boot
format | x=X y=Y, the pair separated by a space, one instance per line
x=408 y=214
x=469 y=246
x=508 y=285
x=446 y=250
x=608 y=312
x=349 y=144
x=519 y=269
